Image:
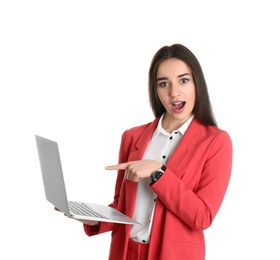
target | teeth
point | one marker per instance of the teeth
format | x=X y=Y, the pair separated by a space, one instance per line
x=178 y=105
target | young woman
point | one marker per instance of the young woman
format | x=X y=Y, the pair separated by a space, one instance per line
x=173 y=172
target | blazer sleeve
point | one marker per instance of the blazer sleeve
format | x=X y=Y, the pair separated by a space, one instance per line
x=197 y=206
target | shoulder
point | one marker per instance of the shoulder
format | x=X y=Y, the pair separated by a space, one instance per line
x=140 y=134
x=210 y=140
x=138 y=130
x=209 y=132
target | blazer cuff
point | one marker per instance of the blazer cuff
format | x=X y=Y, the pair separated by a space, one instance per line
x=92 y=230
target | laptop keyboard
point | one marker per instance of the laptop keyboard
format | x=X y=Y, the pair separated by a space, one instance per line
x=82 y=209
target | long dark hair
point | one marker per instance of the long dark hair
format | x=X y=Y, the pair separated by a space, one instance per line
x=203 y=108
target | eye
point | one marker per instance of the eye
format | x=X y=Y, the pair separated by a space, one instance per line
x=163 y=84
x=184 y=80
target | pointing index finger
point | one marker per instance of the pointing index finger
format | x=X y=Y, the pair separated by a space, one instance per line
x=121 y=166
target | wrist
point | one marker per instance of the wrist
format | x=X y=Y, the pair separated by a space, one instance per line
x=158 y=173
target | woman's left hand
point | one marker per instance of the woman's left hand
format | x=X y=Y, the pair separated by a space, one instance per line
x=137 y=170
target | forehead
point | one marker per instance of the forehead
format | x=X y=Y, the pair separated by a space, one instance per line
x=172 y=67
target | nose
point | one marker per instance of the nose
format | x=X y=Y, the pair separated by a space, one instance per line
x=174 y=91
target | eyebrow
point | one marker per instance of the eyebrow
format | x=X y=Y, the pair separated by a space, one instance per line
x=179 y=76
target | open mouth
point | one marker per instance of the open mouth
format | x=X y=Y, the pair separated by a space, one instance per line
x=178 y=105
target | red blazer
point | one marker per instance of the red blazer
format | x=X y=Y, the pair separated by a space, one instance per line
x=189 y=193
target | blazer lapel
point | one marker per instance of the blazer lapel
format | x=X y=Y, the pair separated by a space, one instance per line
x=136 y=153
x=184 y=147
x=139 y=149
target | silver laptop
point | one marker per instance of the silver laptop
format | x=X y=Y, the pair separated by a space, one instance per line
x=55 y=190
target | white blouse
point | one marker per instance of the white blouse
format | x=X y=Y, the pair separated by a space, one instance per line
x=160 y=148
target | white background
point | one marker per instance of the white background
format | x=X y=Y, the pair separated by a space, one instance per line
x=76 y=72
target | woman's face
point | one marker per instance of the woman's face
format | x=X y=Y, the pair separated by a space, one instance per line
x=176 y=90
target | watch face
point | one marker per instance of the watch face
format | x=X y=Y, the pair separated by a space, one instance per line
x=157 y=174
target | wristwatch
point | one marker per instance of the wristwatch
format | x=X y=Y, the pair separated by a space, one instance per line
x=158 y=173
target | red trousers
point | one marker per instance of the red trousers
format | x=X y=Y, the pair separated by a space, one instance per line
x=137 y=251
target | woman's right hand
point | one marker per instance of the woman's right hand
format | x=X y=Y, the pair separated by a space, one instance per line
x=88 y=222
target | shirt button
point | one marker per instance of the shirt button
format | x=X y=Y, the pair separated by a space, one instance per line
x=163 y=156
x=155 y=200
x=144 y=241
x=170 y=138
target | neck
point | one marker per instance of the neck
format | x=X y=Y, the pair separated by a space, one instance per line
x=170 y=124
